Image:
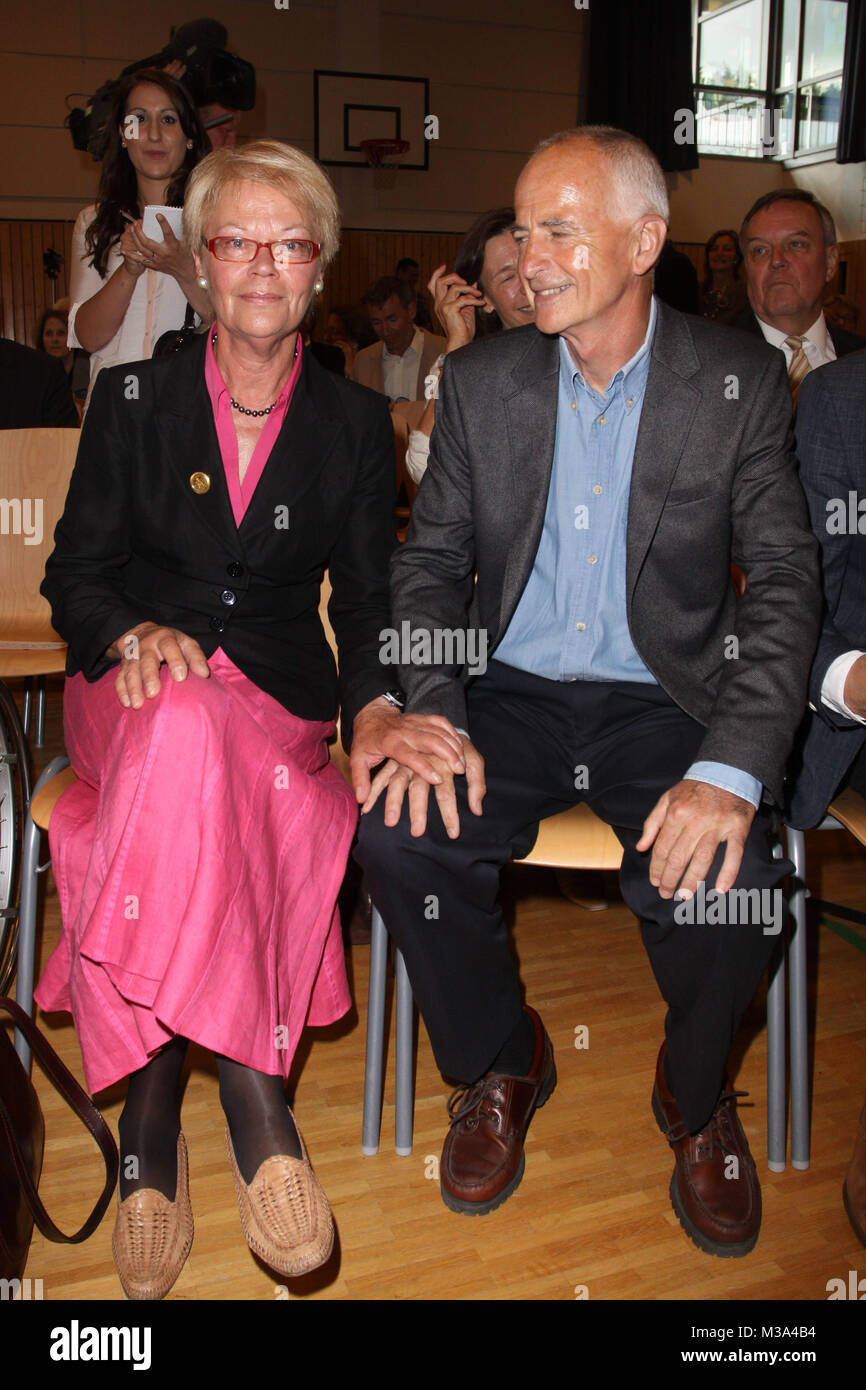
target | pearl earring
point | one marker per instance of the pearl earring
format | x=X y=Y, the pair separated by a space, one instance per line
x=320 y=285
x=200 y=280
x=189 y=144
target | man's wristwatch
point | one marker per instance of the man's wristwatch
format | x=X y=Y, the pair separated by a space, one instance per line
x=394 y=697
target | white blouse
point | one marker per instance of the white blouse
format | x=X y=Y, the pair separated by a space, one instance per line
x=158 y=304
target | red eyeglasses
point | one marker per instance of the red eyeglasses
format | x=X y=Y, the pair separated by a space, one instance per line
x=241 y=248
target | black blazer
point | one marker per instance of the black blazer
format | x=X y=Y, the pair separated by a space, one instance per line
x=137 y=543
x=34 y=389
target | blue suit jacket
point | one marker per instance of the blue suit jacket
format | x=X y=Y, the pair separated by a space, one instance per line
x=831 y=446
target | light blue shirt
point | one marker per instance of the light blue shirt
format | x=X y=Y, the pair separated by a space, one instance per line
x=571 y=621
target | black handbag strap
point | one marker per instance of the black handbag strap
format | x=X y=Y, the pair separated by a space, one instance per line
x=63 y=1080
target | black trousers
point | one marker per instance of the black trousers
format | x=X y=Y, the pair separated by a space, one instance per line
x=548 y=745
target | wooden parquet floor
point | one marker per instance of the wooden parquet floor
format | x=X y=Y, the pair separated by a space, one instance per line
x=593 y=1208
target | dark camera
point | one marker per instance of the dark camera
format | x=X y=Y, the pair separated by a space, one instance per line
x=212 y=76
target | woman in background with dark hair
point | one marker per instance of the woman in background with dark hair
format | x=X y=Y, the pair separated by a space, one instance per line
x=723 y=293
x=126 y=288
x=51 y=332
x=482 y=295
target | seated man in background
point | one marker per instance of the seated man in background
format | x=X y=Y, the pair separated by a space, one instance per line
x=397 y=365
x=596 y=478
x=409 y=270
x=34 y=389
x=831 y=447
x=788 y=241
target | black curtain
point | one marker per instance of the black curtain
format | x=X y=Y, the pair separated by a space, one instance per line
x=851 y=145
x=640 y=73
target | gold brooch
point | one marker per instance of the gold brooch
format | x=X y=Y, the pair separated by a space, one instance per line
x=199 y=482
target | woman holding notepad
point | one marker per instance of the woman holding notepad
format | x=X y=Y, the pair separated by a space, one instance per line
x=132 y=276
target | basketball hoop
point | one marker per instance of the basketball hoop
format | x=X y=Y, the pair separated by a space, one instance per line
x=384 y=152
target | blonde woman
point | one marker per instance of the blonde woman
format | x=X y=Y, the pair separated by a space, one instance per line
x=211 y=492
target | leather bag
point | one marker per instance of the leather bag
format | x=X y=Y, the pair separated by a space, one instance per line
x=176 y=339
x=22 y=1137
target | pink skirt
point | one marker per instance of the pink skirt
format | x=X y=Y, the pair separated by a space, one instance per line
x=197 y=863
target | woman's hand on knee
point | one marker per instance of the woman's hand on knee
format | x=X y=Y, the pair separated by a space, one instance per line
x=142 y=651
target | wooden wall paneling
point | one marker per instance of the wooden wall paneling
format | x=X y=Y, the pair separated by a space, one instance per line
x=364 y=255
x=25 y=289
x=32 y=251
x=696 y=254
x=18 y=282
x=6 y=301
x=853 y=254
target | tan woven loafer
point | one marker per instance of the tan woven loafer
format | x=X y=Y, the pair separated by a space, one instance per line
x=152 y=1236
x=285 y=1215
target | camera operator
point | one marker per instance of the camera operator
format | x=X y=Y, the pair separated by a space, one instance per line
x=127 y=289
x=220 y=124
x=221 y=84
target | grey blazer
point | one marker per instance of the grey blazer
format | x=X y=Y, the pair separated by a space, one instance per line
x=714 y=480
x=831 y=444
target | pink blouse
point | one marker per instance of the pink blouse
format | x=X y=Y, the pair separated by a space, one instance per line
x=241 y=493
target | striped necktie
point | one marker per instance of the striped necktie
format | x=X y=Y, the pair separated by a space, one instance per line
x=799 y=365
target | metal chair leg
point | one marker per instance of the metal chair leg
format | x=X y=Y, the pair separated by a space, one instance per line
x=798 y=1003
x=26 y=706
x=374 y=1064
x=776 y=1071
x=27 y=918
x=40 y=712
x=405 y=1049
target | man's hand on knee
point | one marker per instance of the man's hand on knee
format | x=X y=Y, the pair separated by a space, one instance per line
x=142 y=651
x=399 y=779
x=685 y=828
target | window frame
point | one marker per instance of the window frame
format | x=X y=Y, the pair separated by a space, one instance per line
x=771 y=94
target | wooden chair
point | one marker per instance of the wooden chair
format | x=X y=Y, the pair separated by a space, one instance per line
x=578 y=839
x=35 y=468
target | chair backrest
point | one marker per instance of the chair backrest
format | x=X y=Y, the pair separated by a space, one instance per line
x=849 y=808
x=35 y=468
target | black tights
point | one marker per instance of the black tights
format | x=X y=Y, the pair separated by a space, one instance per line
x=255 y=1106
x=260 y=1121
x=150 y=1123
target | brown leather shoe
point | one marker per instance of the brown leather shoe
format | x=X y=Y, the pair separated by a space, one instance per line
x=152 y=1236
x=721 y=1213
x=482 y=1160
x=284 y=1213
x=854 y=1186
